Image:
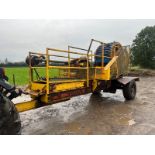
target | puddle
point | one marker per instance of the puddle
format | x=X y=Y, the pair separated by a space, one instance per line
x=89 y=114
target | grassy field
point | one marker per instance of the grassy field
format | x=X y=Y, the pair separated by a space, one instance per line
x=22 y=74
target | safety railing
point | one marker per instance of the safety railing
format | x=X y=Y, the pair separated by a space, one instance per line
x=68 y=66
x=88 y=70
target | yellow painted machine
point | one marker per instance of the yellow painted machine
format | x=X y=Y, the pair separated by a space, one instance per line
x=58 y=75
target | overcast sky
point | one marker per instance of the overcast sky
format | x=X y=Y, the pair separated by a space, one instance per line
x=18 y=37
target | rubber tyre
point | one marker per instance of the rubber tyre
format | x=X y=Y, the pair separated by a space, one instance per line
x=10 y=123
x=129 y=91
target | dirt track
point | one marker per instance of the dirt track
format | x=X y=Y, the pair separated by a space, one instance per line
x=89 y=114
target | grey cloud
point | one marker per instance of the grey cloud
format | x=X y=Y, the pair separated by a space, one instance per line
x=18 y=37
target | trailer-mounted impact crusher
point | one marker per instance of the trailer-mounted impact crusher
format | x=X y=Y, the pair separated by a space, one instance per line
x=57 y=75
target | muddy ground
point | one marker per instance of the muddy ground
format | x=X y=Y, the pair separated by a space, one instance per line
x=89 y=114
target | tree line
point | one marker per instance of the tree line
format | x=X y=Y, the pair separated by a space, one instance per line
x=143 y=48
x=7 y=63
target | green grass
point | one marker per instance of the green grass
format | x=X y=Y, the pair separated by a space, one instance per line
x=22 y=74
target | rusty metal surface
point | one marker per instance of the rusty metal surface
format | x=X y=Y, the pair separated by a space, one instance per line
x=120 y=67
x=57 y=97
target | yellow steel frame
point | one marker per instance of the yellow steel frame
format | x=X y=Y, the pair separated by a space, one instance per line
x=24 y=106
x=47 y=71
x=69 y=59
x=104 y=75
x=42 y=87
x=68 y=86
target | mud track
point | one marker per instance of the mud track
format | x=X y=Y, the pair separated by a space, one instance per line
x=104 y=114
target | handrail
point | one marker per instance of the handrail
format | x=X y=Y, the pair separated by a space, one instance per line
x=58 y=50
x=99 y=56
x=94 y=55
x=69 y=67
x=37 y=53
x=111 y=63
x=65 y=67
x=77 y=48
x=91 y=42
x=38 y=67
x=89 y=58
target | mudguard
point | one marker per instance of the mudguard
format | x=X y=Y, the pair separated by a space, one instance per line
x=126 y=79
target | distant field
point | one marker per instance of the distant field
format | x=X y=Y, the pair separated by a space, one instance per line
x=22 y=74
